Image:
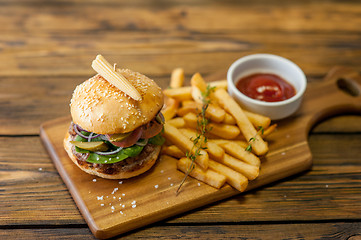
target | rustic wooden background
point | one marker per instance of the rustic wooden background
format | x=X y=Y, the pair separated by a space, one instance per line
x=46 y=48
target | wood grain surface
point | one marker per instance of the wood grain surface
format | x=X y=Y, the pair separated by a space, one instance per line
x=46 y=48
x=151 y=197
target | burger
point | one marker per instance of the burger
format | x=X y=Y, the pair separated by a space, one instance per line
x=112 y=135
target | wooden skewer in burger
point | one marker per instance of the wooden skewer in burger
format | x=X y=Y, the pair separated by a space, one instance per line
x=116 y=125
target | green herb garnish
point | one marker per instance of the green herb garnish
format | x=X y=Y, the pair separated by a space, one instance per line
x=253 y=139
x=202 y=129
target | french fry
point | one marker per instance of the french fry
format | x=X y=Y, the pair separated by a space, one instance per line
x=172 y=151
x=259 y=146
x=196 y=94
x=186 y=92
x=199 y=86
x=216 y=152
x=198 y=81
x=257 y=119
x=177 y=78
x=218 y=129
x=213 y=112
x=229 y=119
x=269 y=130
x=219 y=84
x=219 y=142
x=209 y=176
x=170 y=108
x=180 y=94
x=173 y=135
x=230 y=130
x=249 y=171
x=177 y=122
x=233 y=178
x=239 y=152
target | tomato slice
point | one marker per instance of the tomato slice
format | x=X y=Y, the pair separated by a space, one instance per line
x=131 y=139
x=151 y=129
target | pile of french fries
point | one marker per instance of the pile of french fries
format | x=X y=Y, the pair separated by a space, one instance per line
x=224 y=156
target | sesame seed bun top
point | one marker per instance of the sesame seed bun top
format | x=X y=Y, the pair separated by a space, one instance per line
x=99 y=107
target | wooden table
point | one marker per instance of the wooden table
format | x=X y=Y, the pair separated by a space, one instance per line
x=46 y=48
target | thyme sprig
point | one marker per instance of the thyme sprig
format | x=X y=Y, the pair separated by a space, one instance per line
x=253 y=139
x=202 y=128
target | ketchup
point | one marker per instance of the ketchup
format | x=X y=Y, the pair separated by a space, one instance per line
x=266 y=87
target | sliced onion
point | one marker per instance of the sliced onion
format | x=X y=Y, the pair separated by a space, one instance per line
x=94 y=136
x=109 y=153
x=142 y=142
x=80 y=128
x=90 y=136
x=104 y=137
x=76 y=129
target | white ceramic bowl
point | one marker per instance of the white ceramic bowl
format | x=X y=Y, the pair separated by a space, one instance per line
x=267 y=63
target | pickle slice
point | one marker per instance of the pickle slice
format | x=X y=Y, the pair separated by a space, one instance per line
x=91 y=146
x=118 y=137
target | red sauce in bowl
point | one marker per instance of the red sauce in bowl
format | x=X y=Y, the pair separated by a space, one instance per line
x=266 y=87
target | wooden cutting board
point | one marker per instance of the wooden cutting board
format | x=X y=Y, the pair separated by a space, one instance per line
x=112 y=207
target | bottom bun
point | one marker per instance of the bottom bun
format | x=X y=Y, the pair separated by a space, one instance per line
x=142 y=165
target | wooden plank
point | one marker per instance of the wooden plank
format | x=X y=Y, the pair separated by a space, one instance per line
x=61 y=40
x=314 y=230
x=33 y=100
x=31 y=190
x=138 y=15
x=22 y=181
x=332 y=184
x=284 y=159
x=22 y=157
x=70 y=56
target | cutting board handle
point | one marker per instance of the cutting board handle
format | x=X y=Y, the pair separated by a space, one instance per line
x=339 y=93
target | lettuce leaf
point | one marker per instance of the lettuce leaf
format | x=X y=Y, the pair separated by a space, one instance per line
x=120 y=156
x=157 y=140
x=131 y=151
